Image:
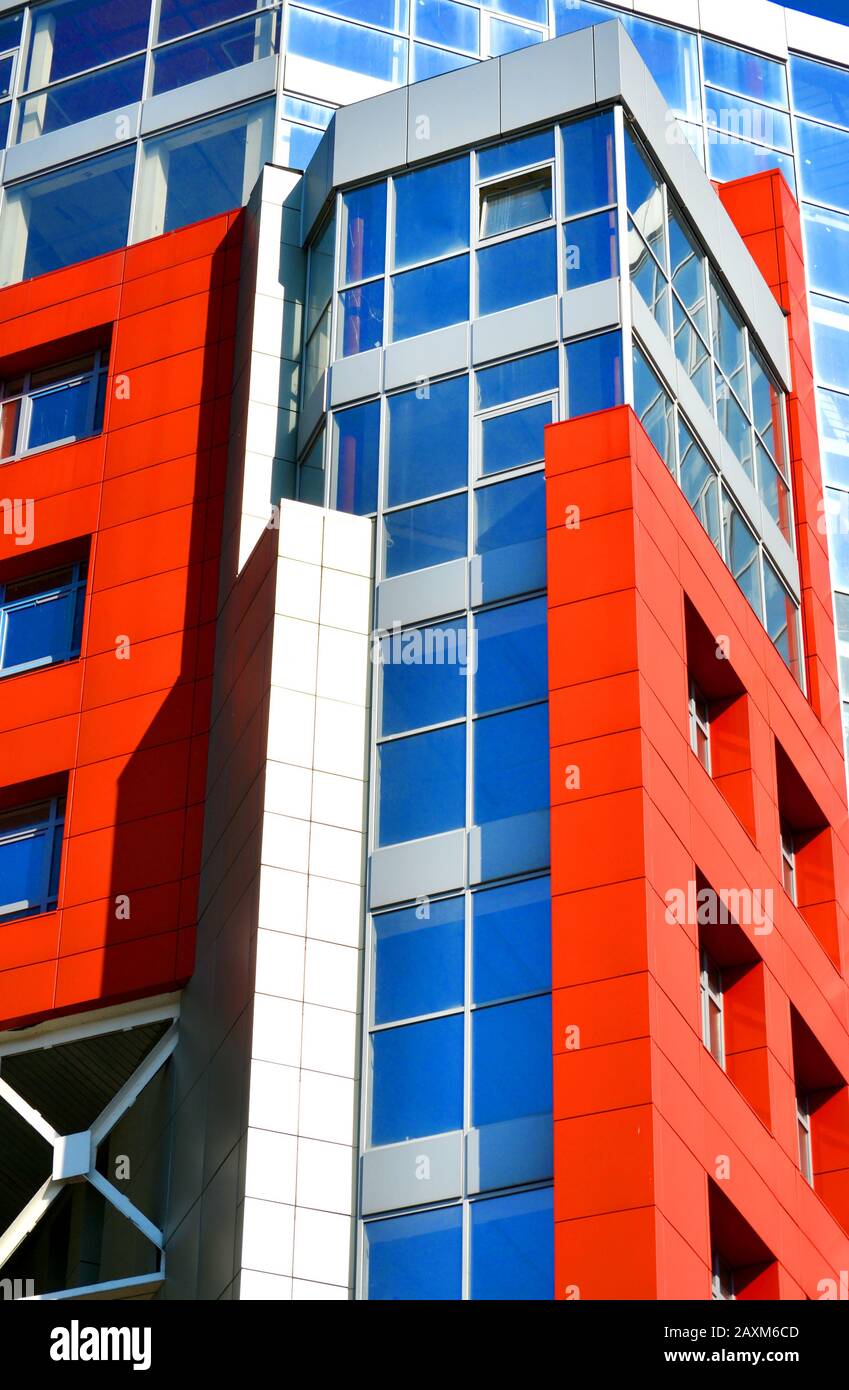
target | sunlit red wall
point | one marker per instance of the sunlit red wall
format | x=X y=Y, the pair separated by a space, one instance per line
x=127 y=722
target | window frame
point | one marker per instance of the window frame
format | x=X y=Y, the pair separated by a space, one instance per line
x=803 y=1134
x=96 y=376
x=51 y=827
x=788 y=863
x=74 y=588
x=721 y=1280
x=708 y=995
x=699 y=711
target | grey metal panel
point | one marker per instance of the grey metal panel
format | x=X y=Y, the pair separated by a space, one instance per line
x=406 y=1175
x=457 y=109
x=312 y=412
x=425 y=356
x=591 y=307
x=351 y=378
x=607 y=60
x=512 y=846
x=418 y=868
x=371 y=137
x=701 y=201
x=632 y=73
x=511 y=1152
x=202 y=98
x=739 y=482
x=429 y=593
x=697 y=413
x=318 y=181
x=736 y=263
x=665 y=135
x=781 y=555
x=515 y=330
x=74 y=142
x=771 y=328
x=542 y=86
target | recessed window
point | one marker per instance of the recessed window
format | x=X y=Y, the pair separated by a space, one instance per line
x=803 y=1131
x=30 y=853
x=41 y=619
x=54 y=406
x=713 y=1030
x=722 y=1281
x=516 y=202
x=700 y=726
x=788 y=861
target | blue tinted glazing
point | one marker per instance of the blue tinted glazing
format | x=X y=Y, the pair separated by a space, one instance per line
x=364 y=222
x=38 y=631
x=349 y=46
x=830 y=322
x=74 y=35
x=537 y=10
x=748 y=74
x=820 y=90
x=427 y=535
x=732 y=117
x=5 y=114
x=513 y=1247
x=419 y=960
x=432 y=212
x=512 y=656
x=511 y=940
x=448 y=23
x=514 y=439
x=81 y=98
x=422 y=785
x=417 y=1080
x=736 y=159
x=6 y=66
x=60 y=414
x=823 y=161
x=511 y=759
x=416 y=1257
x=23 y=873
x=299 y=144
x=593 y=374
x=834 y=435
x=511 y=1061
x=428 y=441
x=571 y=15
x=424 y=677
x=591 y=250
x=361 y=318
x=178 y=17
x=517 y=271
x=433 y=296
x=589 y=164
x=672 y=58
x=506 y=38
x=827 y=250
x=10 y=30
x=510 y=513
x=234 y=45
x=653 y=408
x=357 y=449
x=432 y=62
x=206 y=162
x=515 y=154
x=73 y=216
x=511 y=381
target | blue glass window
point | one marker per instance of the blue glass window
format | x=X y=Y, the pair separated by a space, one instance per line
x=417 y=1080
x=687 y=263
x=41 y=619
x=298 y=144
x=741 y=553
x=178 y=17
x=827 y=248
x=781 y=618
x=729 y=118
x=511 y=655
x=426 y=535
x=510 y=513
x=433 y=62
x=515 y=438
x=834 y=434
x=428 y=444
x=736 y=159
x=692 y=353
x=511 y=757
x=419 y=960
x=30 y=853
x=72 y=36
x=515 y=154
x=433 y=296
x=511 y=940
x=506 y=38
x=512 y=203
x=535 y=10
x=446 y=22
x=360 y=319
x=5 y=112
x=349 y=46
x=748 y=74
x=356 y=449
x=729 y=346
x=63 y=404
x=218 y=50
x=830 y=321
x=589 y=164
x=521 y=376
x=823 y=159
x=431 y=212
x=645 y=200
x=699 y=483
x=432 y=764
x=820 y=90
x=513 y=1247
x=363 y=233
x=80 y=98
x=672 y=58
x=424 y=676
x=653 y=408
x=591 y=250
x=593 y=374
x=517 y=271
x=511 y=1061
x=10 y=30
x=416 y=1257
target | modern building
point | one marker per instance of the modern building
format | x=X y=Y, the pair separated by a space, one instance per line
x=424 y=622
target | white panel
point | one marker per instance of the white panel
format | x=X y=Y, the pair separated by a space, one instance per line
x=344 y=667
x=756 y=23
x=339 y=739
x=334 y=911
x=301 y=529
x=322 y=1246
x=288 y=790
x=294 y=659
x=326 y=1108
x=347 y=544
x=329 y=1041
x=280 y=964
x=267 y=1236
x=282 y=900
x=268 y=1288
x=271 y=1166
x=345 y=601
x=285 y=842
x=274 y=1097
x=291 y=721
x=298 y=589
x=335 y=853
x=325 y=1176
x=331 y=975
x=338 y=801
x=277 y=1030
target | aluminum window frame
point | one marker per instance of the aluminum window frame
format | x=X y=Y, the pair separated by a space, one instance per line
x=75 y=588
x=710 y=994
x=96 y=375
x=50 y=826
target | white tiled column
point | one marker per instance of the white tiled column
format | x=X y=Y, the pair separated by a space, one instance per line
x=297 y=1233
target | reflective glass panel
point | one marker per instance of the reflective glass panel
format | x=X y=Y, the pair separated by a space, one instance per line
x=433 y=296
x=699 y=483
x=511 y=381
x=511 y=940
x=590 y=250
x=416 y=1257
x=448 y=23
x=687 y=264
x=782 y=618
x=431 y=212
x=589 y=164
x=80 y=98
x=823 y=159
x=351 y=47
x=515 y=438
x=435 y=765
x=515 y=154
x=827 y=250
x=432 y=62
x=741 y=553
x=356 y=449
x=653 y=407
x=516 y=202
x=506 y=38
x=417 y=1080
x=363 y=233
x=747 y=73
x=593 y=374
x=425 y=675
x=418 y=537
x=68 y=36
x=513 y=1246
x=834 y=435
x=511 y=761
x=219 y=50
x=820 y=90
x=517 y=271
x=428 y=441
x=830 y=322
x=419 y=960
x=511 y=655
x=360 y=319
x=645 y=198
x=511 y=1061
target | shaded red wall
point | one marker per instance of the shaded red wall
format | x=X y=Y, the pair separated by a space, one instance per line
x=130 y=733
x=647 y=1124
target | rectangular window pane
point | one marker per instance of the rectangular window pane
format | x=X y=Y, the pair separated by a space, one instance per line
x=699 y=483
x=648 y=279
x=826 y=248
x=692 y=353
x=431 y=212
x=360 y=319
x=507 y=38
x=26 y=855
x=419 y=537
x=219 y=50
x=672 y=58
x=363 y=233
x=60 y=414
x=511 y=940
x=356 y=449
x=514 y=439
x=517 y=202
x=653 y=407
x=830 y=321
x=741 y=553
x=590 y=250
x=593 y=374
x=297 y=144
x=417 y=1080
x=837 y=517
x=178 y=17
x=728 y=343
x=448 y=23
x=511 y=1061
x=511 y=759
x=435 y=764
x=517 y=271
x=322 y=253
x=433 y=62
x=820 y=90
x=746 y=73
x=735 y=118
x=68 y=36
x=522 y=376
x=513 y=1247
x=419 y=960
x=317 y=355
x=425 y=673
x=416 y=1257
x=350 y=47
x=80 y=99
x=511 y=656
x=687 y=263
x=833 y=410
x=645 y=199
x=428 y=444
x=734 y=424
x=736 y=159
x=823 y=156
x=433 y=296
x=589 y=164
x=775 y=493
x=39 y=628
x=515 y=154
x=782 y=619
x=510 y=513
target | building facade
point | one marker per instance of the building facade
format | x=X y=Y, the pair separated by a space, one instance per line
x=424 y=836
